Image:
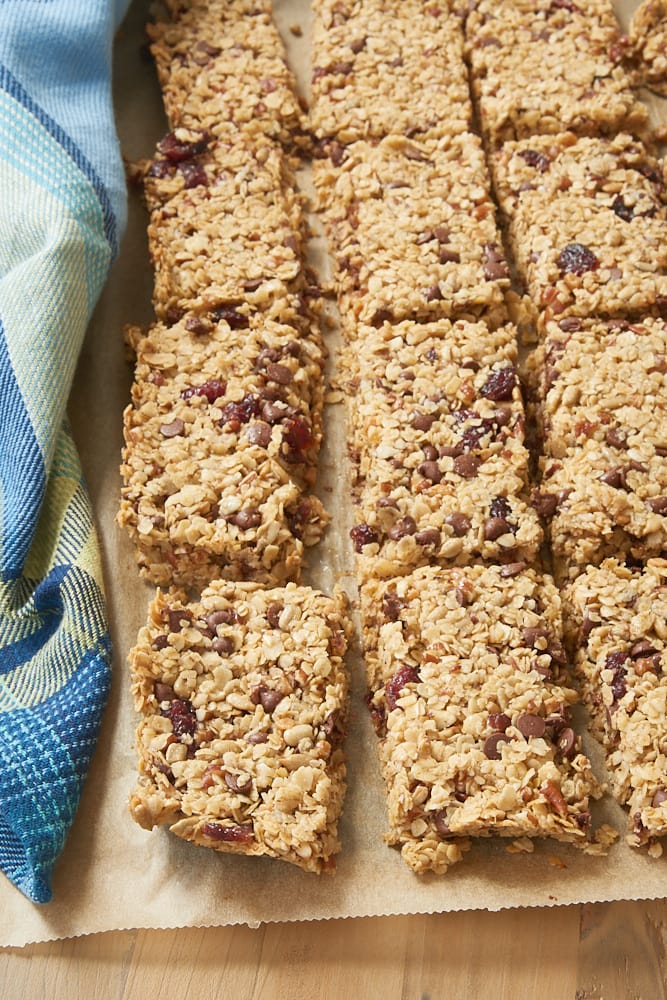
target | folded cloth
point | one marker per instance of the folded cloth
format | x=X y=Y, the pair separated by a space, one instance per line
x=62 y=210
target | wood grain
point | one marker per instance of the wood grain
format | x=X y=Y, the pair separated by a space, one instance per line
x=610 y=951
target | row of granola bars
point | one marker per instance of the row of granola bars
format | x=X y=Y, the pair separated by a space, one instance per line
x=467 y=677
x=242 y=690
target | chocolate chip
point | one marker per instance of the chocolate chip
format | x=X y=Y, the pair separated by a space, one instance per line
x=163 y=692
x=613 y=478
x=279 y=373
x=247 y=518
x=224 y=616
x=448 y=256
x=492 y=745
x=430 y=453
x=570 y=324
x=421 y=421
x=467 y=465
x=642 y=647
x=531 y=726
x=392 y=605
x=223 y=645
x=404 y=526
x=659 y=797
x=259 y=433
x=160 y=642
x=495 y=265
x=430 y=470
x=361 y=535
x=657 y=504
x=512 y=569
x=268 y=698
x=459 y=523
x=499 y=721
x=567 y=743
x=495 y=527
x=429 y=536
x=241 y=783
x=174 y=429
x=433 y=293
x=546 y=504
x=273 y=613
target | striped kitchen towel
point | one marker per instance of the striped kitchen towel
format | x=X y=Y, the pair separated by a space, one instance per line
x=62 y=209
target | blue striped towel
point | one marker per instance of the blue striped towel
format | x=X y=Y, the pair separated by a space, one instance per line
x=62 y=209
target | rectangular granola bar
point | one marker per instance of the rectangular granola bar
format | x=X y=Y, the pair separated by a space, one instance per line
x=210 y=249
x=221 y=445
x=616 y=618
x=603 y=411
x=387 y=68
x=437 y=427
x=243 y=697
x=542 y=67
x=471 y=700
x=412 y=228
x=579 y=256
x=231 y=165
x=222 y=66
x=616 y=172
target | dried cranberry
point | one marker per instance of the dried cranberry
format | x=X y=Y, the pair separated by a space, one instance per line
x=565 y=5
x=212 y=389
x=298 y=436
x=361 y=535
x=495 y=265
x=537 y=160
x=177 y=150
x=242 y=411
x=622 y=210
x=404 y=675
x=500 y=384
x=500 y=507
x=238 y=833
x=193 y=175
x=616 y=663
x=392 y=605
x=182 y=717
x=232 y=317
x=575 y=258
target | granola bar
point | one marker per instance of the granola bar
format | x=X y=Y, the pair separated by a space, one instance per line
x=579 y=257
x=437 y=427
x=616 y=617
x=221 y=444
x=471 y=700
x=387 y=68
x=616 y=172
x=230 y=164
x=222 y=66
x=543 y=67
x=648 y=37
x=243 y=697
x=412 y=228
x=209 y=249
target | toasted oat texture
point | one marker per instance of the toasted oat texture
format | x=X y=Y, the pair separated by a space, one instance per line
x=437 y=428
x=470 y=697
x=603 y=415
x=231 y=165
x=212 y=247
x=221 y=445
x=544 y=67
x=616 y=619
x=384 y=68
x=244 y=702
x=648 y=35
x=582 y=256
x=616 y=173
x=222 y=66
x=412 y=228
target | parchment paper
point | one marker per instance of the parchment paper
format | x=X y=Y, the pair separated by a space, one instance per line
x=112 y=874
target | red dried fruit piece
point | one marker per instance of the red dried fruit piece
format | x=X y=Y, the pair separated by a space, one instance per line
x=298 y=436
x=404 y=675
x=176 y=150
x=575 y=258
x=242 y=411
x=500 y=384
x=232 y=317
x=239 y=833
x=361 y=535
x=212 y=389
x=182 y=717
x=535 y=159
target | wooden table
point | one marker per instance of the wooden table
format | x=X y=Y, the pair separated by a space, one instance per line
x=610 y=951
